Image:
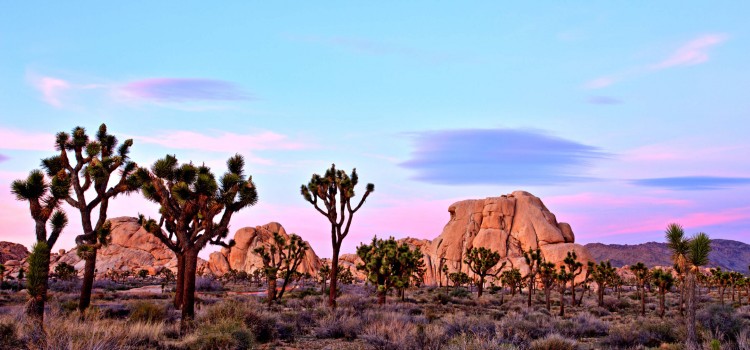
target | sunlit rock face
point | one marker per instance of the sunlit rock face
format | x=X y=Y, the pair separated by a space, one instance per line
x=242 y=256
x=509 y=224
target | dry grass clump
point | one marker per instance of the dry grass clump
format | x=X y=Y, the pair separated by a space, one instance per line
x=651 y=332
x=147 y=312
x=554 y=342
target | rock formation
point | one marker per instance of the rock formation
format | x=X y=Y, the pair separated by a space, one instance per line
x=243 y=258
x=13 y=252
x=509 y=224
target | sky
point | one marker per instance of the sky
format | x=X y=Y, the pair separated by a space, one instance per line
x=622 y=117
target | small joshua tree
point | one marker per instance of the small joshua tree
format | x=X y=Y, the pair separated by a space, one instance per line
x=548 y=277
x=512 y=279
x=642 y=276
x=65 y=271
x=481 y=261
x=331 y=194
x=324 y=274
x=93 y=164
x=281 y=257
x=533 y=258
x=345 y=276
x=563 y=277
x=142 y=274
x=575 y=268
x=602 y=274
x=458 y=278
x=388 y=264
x=44 y=198
x=195 y=209
x=663 y=280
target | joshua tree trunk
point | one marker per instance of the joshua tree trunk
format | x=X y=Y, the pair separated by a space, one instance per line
x=562 y=302
x=334 y=276
x=480 y=286
x=531 y=287
x=188 y=293
x=88 y=280
x=546 y=298
x=573 y=292
x=692 y=339
x=643 y=301
x=179 y=281
x=682 y=296
x=600 y=294
x=271 y=289
x=661 y=303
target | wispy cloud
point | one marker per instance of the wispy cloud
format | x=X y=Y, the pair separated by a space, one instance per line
x=3 y=158
x=52 y=89
x=28 y=141
x=695 y=51
x=693 y=182
x=499 y=156
x=692 y=53
x=183 y=89
x=222 y=141
x=604 y=100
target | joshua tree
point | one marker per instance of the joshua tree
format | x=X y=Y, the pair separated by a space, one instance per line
x=511 y=278
x=663 y=280
x=602 y=274
x=642 y=276
x=191 y=198
x=388 y=264
x=721 y=280
x=695 y=252
x=459 y=278
x=324 y=274
x=345 y=276
x=481 y=261
x=410 y=270
x=563 y=277
x=574 y=268
x=548 y=277
x=284 y=257
x=95 y=161
x=44 y=200
x=65 y=271
x=734 y=278
x=533 y=258
x=676 y=242
x=331 y=195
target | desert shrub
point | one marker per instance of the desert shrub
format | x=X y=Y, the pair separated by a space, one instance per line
x=721 y=321
x=460 y=292
x=357 y=303
x=303 y=292
x=389 y=332
x=456 y=325
x=554 y=342
x=645 y=333
x=64 y=286
x=9 y=336
x=599 y=311
x=442 y=298
x=519 y=328
x=69 y=306
x=207 y=284
x=743 y=339
x=467 y=342
x=613 y=304
x=337 y=327
x=147 y=312
x=582 y=325
x=109 y=285
x=225 y=334
x=265 y=327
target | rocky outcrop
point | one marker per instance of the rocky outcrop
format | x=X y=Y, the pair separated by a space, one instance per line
x=509 y=224
x=242 y=257
x=13 y=252
x=131 y=249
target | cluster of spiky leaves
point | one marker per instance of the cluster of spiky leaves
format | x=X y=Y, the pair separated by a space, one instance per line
x=602 y=273
x=689 y=252
x=481 y=260
x=44 y=199
x=511 y=278
x=282 y=255
x=459 y=278
x=641 y=272
x=662 y=279
x=191 y=198
x=36 y=278
x=388 y=264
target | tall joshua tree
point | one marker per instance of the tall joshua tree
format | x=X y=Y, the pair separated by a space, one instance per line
x=481 y=261
x=93 y=164
x=695 y=252
x=331 y=194
x=602 y=274
x=281 y=257
x=195 y=210
x=533 y=258
x=563 y=277
x=677 y=243
x=44 y=198
x=548 y=277
x=642 y=276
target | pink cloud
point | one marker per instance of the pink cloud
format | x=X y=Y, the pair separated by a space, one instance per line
x=52 y=89
x=690 y=220
x=693 y=52
x=607 y=200
x=599 y=83
x=22 y=140
x=224 y=141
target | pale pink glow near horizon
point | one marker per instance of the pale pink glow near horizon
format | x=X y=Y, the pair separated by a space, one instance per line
x=13 y=139
x=224 y=141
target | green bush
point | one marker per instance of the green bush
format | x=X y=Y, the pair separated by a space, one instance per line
x=147 y=312
x=224 y=334
x=460 y=293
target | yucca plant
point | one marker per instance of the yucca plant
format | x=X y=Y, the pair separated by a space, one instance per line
x=481 y=261
x=44 y=198
x=548 y=276
x=195 y=210
x=664 y=281
x=676 y=242
x=533 y=258
x=642 y=277
x=602 y=274
x=281 y=257
x=575 y=268
x=90 y=166
x=331 y=194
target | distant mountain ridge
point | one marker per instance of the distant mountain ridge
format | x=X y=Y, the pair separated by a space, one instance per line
x=727 y=254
